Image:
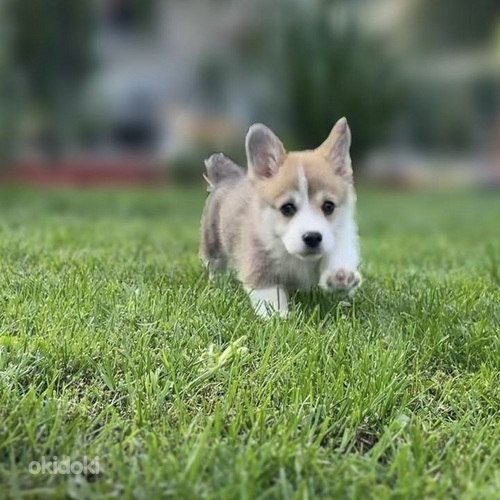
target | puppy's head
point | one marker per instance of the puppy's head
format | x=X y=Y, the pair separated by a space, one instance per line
x=302 y=193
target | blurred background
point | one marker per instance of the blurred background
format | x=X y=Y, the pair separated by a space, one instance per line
x=141 y=91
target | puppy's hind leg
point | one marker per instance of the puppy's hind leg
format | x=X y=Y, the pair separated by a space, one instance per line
x=211 y=256
x=211 y=253
x=215 y=265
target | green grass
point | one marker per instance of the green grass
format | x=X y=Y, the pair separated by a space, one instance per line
x=113 y=343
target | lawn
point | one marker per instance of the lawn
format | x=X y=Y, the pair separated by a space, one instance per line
x=114 y=344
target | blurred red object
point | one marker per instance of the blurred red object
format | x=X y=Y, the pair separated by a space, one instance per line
x=82 y=171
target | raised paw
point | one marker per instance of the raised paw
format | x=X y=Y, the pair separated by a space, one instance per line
x=340 y=280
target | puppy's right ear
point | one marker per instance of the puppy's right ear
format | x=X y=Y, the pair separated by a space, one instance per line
x=265 y=152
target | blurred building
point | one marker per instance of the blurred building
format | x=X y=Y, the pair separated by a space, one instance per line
x=165 y=82
x=172 y=87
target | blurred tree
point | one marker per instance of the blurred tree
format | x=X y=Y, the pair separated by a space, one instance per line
x=130 y=14
x=453 y=101
x=329 y=68
x=454 y=24
x=51 y=50
x=6 y=97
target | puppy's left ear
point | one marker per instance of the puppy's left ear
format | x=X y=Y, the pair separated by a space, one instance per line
x=336 y=149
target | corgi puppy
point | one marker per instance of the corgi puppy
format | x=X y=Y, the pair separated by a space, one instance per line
x=286 y=223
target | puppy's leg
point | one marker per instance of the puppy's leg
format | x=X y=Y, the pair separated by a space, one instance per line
x=342 y=279
x=340 y=268
x=211 y=251
x=269 y=301
x=215 y=265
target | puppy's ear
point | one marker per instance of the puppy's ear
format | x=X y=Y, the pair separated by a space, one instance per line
x=265 y=152
x=336 y=149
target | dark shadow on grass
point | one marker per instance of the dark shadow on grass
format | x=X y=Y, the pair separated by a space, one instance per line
x=323 y=305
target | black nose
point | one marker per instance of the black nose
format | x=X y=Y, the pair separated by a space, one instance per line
x=312 y=239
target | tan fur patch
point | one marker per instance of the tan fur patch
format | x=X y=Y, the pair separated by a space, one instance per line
x=322 y=181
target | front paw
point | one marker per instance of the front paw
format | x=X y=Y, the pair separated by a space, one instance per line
x=344 y=280
x=268 y=302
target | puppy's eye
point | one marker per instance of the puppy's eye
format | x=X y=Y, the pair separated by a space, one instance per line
x=288 y=209
x=328 y=207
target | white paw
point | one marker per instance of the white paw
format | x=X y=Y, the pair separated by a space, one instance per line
x=269 y=301
x=345 y=280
